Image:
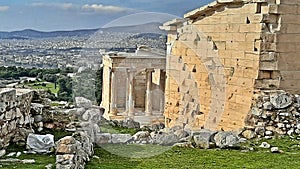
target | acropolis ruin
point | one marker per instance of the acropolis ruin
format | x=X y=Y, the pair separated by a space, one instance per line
x=133 y=85
x=217 y=58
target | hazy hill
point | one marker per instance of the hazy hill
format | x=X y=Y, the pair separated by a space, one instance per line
x=32 y=34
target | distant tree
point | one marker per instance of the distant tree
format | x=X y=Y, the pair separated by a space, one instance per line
x=98 y=85
x=65 y=88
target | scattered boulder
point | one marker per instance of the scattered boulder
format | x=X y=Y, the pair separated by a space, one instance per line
x=130 y=123
x=120 y=138
x=157 y=126
x=184 y=145
x=83 y=102
x=40 y=143
x=141 y=136
x=224 y=139
x=204 y=138
x=163 y=138
x=181 y=133
x=249 y=134
x=103 y=138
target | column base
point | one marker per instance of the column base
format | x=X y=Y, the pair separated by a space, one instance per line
x=130 y=114
x=148 y=113
x=114 y=112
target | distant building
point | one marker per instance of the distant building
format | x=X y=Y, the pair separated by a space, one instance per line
x=134 y=84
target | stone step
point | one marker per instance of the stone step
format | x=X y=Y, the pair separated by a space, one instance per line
x=146 y=120
x=142 y=119
x=118 y=118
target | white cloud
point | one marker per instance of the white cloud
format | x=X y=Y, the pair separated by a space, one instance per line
x=4 y=8
x=63 y=6
x=104 y=8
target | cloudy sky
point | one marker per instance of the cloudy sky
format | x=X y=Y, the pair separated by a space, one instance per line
x=48 y=15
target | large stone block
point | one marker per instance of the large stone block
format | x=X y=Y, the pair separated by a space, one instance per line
x=120 y=138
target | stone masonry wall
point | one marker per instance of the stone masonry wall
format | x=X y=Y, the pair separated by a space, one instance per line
x=73 y=152
x=14 y=114
x=228 y=34
x=287 y=40
x=224 y=52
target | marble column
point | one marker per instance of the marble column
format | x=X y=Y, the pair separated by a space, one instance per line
x=113 y=104
x=162 y=90
x=130 y=100
x=148 y=99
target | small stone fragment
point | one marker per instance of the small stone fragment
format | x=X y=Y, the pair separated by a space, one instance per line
x=265 y=145
x=275 y=150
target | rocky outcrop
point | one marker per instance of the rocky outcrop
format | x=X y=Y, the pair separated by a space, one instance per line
x=14 y=115
x=74 y=151
x=273 y=113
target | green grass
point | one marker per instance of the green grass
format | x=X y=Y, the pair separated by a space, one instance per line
x=49 y=86
x=117 y=129
x=177 y=158
x=41 y=160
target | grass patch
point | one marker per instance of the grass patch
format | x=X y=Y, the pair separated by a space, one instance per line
x=54 y=104
x=45 y=86
x=41 y=160
x=135 y=150
x=106 y=128
x=178 y=158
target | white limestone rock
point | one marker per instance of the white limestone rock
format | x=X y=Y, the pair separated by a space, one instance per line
x=226 y=139
x=83 y=102
x=2 y=152
x=120 y=138
x=40 y=143
x=281 y=100
x=265 y=145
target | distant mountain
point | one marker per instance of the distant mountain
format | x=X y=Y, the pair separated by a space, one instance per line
x=33 y=34
x=152 y=27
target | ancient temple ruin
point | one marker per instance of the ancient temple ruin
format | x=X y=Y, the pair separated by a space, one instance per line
x=221 y=54
x=133 y=85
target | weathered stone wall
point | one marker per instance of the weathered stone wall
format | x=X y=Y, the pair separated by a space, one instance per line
x=14 y=114
x=228 y=34
x=287 y=14
x=74 y=151
x=225 y=51
x=274 y=112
